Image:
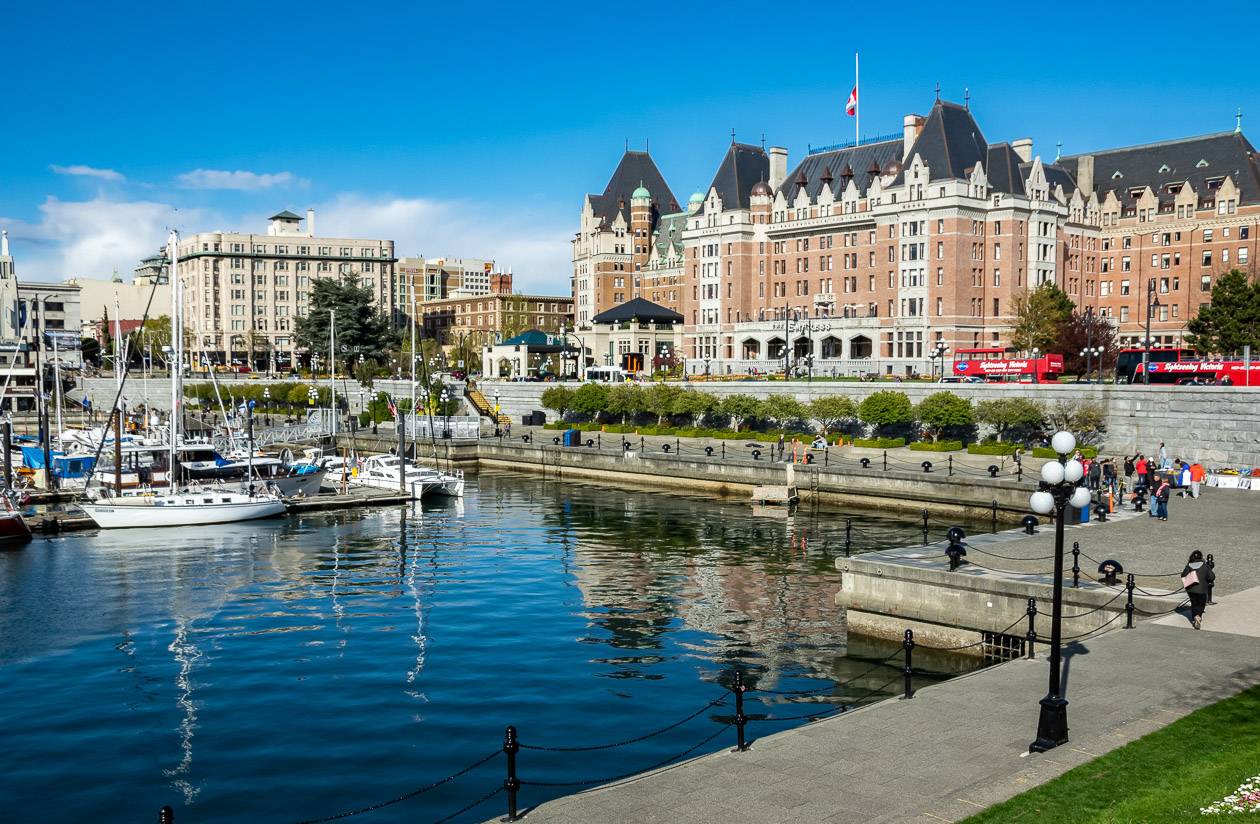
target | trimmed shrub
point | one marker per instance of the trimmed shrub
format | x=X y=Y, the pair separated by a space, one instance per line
x=880 y=443
x=886 y=409
x=992 y=449
x=1047 y=452
x=936 y=446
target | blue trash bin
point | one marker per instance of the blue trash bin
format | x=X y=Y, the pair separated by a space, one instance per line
x=572 y=437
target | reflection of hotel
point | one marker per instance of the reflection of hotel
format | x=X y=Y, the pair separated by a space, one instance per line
x=861 y=258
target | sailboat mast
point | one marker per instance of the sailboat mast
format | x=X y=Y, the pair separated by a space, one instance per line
x=413 y=367
x=332 y=370
x=177 y=323
x=57 y=386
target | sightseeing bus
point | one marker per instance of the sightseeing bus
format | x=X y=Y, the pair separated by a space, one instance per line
x=993 y=364
x=1128 y=361
x=1219 y=372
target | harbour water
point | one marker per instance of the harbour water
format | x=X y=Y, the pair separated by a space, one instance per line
x=295 y=668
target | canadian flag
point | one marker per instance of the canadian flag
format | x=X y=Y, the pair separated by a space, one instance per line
x=850 y=108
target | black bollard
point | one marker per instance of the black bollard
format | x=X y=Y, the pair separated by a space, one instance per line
x=951 y=466
x=885 y=460
x=925 y=527
x=511 y=784
x=993 y=509
x=1032 y=630
x=640 y=443
x=739 y=688
x=166 y=815
x=1211 y=562
x=1076 y=564
x=1128 y=606
x=723 y=450
x=908 y=672
x=848 y=536
x=826 y=453
x=599 y=441
x=677 y=446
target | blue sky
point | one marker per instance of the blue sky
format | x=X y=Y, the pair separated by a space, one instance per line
x=474 y=129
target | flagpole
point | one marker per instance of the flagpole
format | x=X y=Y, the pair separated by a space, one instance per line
x=857 y=109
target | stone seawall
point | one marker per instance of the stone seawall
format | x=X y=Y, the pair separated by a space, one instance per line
x=1217 y=425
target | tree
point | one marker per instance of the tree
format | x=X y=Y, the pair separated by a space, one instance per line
x=783 y=410
x=626 y=400
x=694 y=404
x=1232 y=320
x=1082 y=329
x=739 y=408
x=361 y=329
x=91 y=349
x=1011 y=414
x=832 y=411
x=1087 y=419
x=659 y=399
x=559 y=398
x=1039 y=314
x=886 y=410
x=590 y=399
x=943 y=412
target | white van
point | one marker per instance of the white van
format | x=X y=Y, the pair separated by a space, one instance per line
x=605 y=374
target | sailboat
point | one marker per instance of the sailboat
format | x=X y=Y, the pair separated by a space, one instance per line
x=188 y=506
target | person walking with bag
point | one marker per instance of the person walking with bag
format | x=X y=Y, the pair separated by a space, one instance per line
x=1198 y=579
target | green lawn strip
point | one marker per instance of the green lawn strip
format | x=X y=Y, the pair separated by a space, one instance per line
x=1166 y=776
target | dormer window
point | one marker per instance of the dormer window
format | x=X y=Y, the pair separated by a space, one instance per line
x=1116 y=175
x=1164 y=169
x=1202 y=164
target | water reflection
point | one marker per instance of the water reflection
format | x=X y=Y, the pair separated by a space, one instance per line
x=334 y=659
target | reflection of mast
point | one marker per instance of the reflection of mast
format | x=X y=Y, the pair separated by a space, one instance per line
x=186 y=655
x=421 y=640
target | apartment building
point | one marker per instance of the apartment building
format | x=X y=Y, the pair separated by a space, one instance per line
x=243 y=292
x=862 y=258
x=482 y=318
x=438 y=278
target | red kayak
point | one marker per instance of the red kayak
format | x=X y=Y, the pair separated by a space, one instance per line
x=12 y=527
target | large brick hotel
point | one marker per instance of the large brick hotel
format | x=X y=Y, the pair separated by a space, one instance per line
x=866 y=256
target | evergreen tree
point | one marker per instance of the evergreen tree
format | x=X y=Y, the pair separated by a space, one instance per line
x=361 y=329
x=1232 y=320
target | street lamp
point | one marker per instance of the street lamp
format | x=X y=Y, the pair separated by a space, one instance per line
x=1089 y=353
x=1152 y=303
x=938 y=354
x=1036 y=377
x=496 y=413
x=446 y=414
x=1058 y=489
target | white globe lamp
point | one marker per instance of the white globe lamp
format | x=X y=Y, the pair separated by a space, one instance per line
x=1063 y=443
x=1080 y=497
x=1052 y=472
x=1042 y=502
x=1073 y=471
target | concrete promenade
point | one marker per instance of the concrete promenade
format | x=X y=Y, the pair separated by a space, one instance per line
x=961 y=746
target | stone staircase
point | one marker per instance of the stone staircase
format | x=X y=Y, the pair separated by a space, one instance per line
x=483 y=406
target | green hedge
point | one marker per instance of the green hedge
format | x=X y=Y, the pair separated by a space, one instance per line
x=1047 y=452
x=992 y=449
x=880 y=443
x=676 y=431
x=939 y=446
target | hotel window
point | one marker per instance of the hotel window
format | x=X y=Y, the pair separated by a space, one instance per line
x=1126 y=264
x=1124 y=314
x=997 y=277
x=1124 y=287
x=1207 y=235
x=1242 y=254
x=940 y=276
x=1163 y=313
x=1207 y=257
x=940 y=306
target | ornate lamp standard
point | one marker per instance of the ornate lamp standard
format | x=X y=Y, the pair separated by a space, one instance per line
x=446 y=413
x=1058 y=489
x=938 y=355
x=1089 y=353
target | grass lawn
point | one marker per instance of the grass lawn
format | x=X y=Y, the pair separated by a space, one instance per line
x=1163 y=777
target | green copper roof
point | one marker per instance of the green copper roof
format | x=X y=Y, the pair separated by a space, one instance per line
x=641 y=193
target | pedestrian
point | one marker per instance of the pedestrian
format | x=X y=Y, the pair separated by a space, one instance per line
x=1140 y=467
x=1163 y=457
x=1161 y=498
x=1183 y=478
x=1128 y=467
x=1095 y=474
x=1197 y=474
x=1198 y=579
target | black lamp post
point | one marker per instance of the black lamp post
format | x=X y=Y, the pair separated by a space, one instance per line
x=446 y=414
x=1058 y=489
x=938 y=354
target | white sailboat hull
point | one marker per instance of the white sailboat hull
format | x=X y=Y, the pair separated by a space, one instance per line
x=181 y=509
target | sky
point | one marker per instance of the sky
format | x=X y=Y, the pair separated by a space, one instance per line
x=475 y=129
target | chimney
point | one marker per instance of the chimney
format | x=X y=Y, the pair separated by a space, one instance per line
x=1023 y=148
x=1085 y=174
x=911 y=126
x=4 y=243
x=778 y=167
x=310 y=223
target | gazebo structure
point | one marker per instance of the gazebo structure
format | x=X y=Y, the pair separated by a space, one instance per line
x=522 y=356
x=637 y=336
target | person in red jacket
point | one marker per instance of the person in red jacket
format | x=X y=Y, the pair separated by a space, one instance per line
x=1141 y=466
x=1197 y=474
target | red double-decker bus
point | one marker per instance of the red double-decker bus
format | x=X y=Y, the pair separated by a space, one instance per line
x=1222 y=372
x=1128 y=360
x=992 y=364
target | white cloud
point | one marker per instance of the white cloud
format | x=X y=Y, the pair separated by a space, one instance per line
x=535 y=246
x=88 y=171
x=90 y=238
x=238 y=180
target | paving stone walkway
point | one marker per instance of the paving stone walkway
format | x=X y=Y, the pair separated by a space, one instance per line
x=960 y=746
